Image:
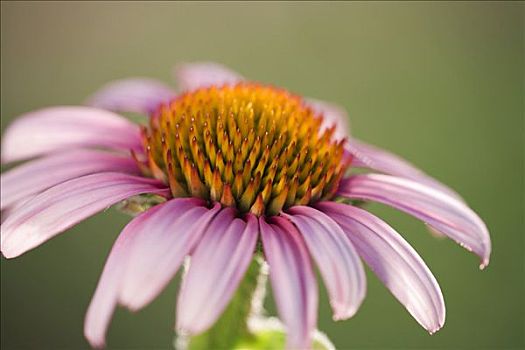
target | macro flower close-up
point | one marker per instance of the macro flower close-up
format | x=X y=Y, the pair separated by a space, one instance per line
x=232 y=185
x=227 y=164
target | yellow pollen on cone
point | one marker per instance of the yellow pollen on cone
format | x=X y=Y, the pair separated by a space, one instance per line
x=249 y=146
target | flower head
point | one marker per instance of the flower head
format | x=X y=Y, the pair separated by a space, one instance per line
x=220 y=167
x=256 y=148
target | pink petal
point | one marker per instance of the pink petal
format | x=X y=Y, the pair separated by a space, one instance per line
x=36 y=176
x=160 y=247
x=155 y=236
x=336 y=258
x=394 y=261
x=62 y=128
x=293 y=280
x=60 y=207
x=217 y=267
x=191 y=76
x=13 y=208
x=372 y=157
x=332 y=115
x=441 y=211
x=105 y=299
x=139 y=95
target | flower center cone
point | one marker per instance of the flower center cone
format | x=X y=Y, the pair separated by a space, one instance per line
x=256 y=148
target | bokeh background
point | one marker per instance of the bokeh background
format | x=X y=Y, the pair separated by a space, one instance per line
x=439 y=83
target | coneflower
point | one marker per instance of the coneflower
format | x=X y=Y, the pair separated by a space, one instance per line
x=223 y=171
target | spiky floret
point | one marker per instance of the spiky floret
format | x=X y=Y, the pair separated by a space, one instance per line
x=249 y=146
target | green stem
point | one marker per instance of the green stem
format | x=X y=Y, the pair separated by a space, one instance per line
x=233 y=323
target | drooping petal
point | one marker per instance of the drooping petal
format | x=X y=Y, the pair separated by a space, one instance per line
x=217 y=267
x=394 y=261
x=292 y=278
x=383 y=161
x=104 y=300
x=146 y=255
x=62 y=128
x=336 y=258
x=191 y=76
x=441 y=211
x=161 y=245
x=139 y=95
x=60 y=207
x=36 y=176
x=332 y=115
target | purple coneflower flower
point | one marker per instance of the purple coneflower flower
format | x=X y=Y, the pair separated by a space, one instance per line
x=229 y=163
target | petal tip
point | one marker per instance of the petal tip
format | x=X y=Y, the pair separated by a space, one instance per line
x=132 y=305
x=435 y=330
x=342 y=315
x=8 y=250
x=484 y=257
x=343 y=311
x=133 y=301
x=484 y=263
x=96 y=341
x=9 y=255
x=193 y=75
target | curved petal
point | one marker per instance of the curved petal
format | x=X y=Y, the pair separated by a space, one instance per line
x=145 y=257
x=394 y=262
x=62 y=128
x=332 y=115
x=293 y=280
x=160 y=248
x=104 y=300
x=217 y=267
x=383 y=161
x=441 y=211
x=65 y=205
x=138 y=95
x=336 y=258
x=191 y=76
x=36 y=176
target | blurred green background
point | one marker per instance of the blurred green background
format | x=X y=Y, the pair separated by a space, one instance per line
x=439 y=83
